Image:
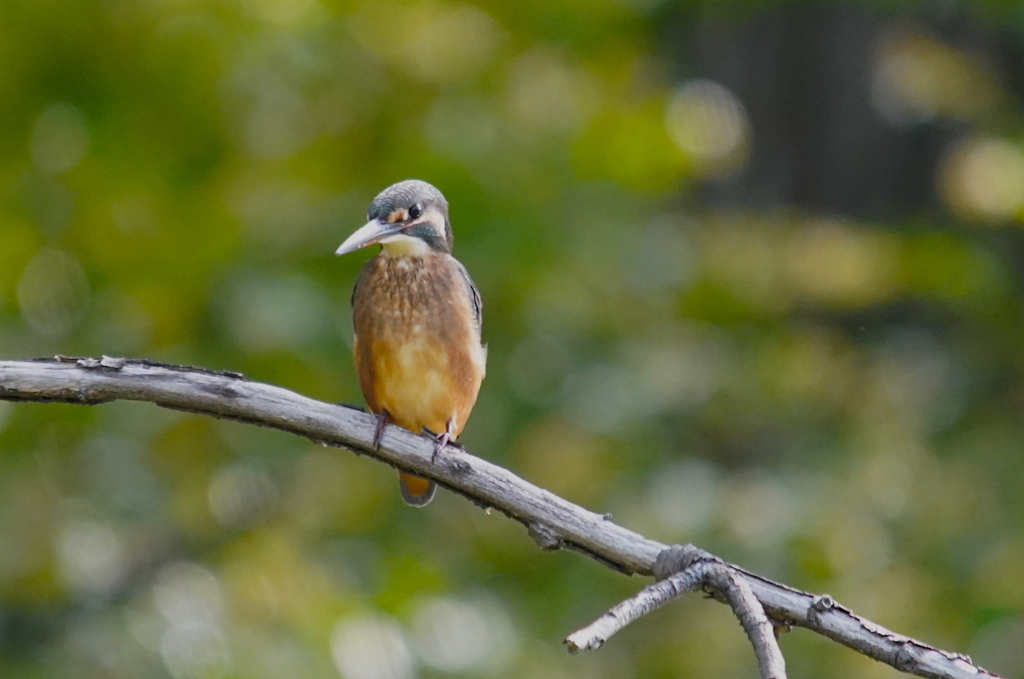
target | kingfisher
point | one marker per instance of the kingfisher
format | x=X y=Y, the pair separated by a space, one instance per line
x=417 y=316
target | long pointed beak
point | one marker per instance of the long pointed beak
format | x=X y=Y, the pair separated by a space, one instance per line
x=368 y=234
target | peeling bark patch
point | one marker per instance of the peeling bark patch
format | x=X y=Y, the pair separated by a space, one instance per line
x=545 y=538
x=119 y=363
x=220 y=390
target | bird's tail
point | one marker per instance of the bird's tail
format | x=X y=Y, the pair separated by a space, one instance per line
x=416 y=491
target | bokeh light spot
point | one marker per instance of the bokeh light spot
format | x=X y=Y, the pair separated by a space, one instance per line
x=53 y=292
x=549 y=94
x=195 y=650
x=440 y=42
x=684 y=495
x=91 y=557
x=240 y=495
x=678 y=368
x=600 y=397
x=266 y=312
x=371 y=647
x=983 y=179
x=459 y=636
x=840 y=264
x=60 y=139
x=277 y=123
x=917 y=78
x=710 y=125
x=664 y=257
x=758 y=509
x=283 y=12
x=186 y=592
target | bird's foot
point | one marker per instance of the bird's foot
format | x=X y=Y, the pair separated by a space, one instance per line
x=442 y=440
x=382 y=419
x=439 y=444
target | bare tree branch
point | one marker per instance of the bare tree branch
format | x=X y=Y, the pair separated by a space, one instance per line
x=699 y=570
x=734 y=587
x=552 y=521
x=650 y=598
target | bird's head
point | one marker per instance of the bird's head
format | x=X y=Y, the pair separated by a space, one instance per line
x=407 y=218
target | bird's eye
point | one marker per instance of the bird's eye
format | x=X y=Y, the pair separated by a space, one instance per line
x=415 y=211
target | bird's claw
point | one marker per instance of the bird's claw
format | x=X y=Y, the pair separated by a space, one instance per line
x=442 y=440
x=378 y=433
x=439 y=444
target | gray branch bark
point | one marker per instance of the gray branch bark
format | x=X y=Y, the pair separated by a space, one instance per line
x=699 y=570
x=734 y=588
x=554 y=523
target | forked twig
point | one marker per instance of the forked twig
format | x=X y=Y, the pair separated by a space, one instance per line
x=697 y=570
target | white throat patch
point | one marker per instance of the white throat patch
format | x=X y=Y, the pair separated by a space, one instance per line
x=400 y=245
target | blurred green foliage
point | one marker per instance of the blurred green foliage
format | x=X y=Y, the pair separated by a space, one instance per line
x=830 y=399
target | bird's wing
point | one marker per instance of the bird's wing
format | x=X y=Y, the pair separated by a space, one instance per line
x=476 y=303
x=355 y=286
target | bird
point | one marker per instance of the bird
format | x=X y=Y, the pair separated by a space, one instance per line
x=417 y=317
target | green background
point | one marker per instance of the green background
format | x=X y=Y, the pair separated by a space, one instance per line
x=827 y=390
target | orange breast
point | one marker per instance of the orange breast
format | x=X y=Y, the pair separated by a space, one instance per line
x=418 y=351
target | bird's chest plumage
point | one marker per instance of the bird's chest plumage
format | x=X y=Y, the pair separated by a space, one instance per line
x=418 y=350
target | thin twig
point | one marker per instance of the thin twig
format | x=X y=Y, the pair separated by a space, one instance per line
x=647 y=600
x=751 y=615
x=554 y=521
x=700 y=570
